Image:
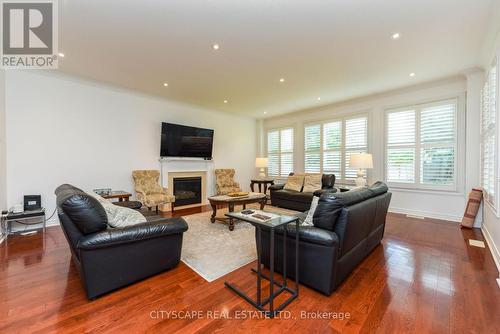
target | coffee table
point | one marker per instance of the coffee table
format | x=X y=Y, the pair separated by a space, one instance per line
x=230 y=202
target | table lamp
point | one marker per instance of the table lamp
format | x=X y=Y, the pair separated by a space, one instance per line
x=360 y=161
x=262 y=164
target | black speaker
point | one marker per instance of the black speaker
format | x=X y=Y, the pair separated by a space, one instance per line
x=32 y=202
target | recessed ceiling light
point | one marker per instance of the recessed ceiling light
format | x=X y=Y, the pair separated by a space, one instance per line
x=225 y=101
x=319 y=98
x=282 y=79
x=60 y=54
x=265 y=112
x=412 y=74
x=165 y=84
x=396 y=35
x=215 y=46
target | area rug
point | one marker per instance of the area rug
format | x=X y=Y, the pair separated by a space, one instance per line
x=213 y=251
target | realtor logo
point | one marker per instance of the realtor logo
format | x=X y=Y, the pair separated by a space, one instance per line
x=29 y=34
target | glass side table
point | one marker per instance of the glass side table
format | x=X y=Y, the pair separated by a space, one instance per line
x=272 y=224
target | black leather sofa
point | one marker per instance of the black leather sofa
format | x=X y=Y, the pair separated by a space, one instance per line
x=297 y=200
x=347 y=227
x=110 y=258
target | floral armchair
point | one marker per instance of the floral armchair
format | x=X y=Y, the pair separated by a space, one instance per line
x=224 y=181
x=149 y=192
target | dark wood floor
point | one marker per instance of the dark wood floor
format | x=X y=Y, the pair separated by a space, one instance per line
x=424 y=278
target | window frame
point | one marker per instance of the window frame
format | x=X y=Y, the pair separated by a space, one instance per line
x=417 y=108
x=339 y=179
x=280 y=152
x=492 y=203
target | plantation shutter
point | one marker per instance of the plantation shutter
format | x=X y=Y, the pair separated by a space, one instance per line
x=273 y=146
x=332 y=148
x=355 y=142
x=400 y=159
x=488 y=137
x=312 y=148
x=286 y=150
x=437 y=144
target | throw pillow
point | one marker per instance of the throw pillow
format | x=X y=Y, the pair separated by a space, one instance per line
x=309 y=219
x=119 y=216
x=328 y=211
x=312 y=182
x=85 y=212
x=294 y=182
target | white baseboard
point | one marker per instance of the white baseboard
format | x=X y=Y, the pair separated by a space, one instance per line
x=493 y=249
x=426 y=214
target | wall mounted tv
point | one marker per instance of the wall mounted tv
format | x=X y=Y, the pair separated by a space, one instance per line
x=186 y=141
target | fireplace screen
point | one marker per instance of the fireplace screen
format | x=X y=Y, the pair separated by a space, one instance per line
x=187 y=190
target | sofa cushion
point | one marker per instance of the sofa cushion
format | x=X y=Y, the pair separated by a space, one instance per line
x=85 y=212
x=312 y=182
x=327 y=211
x=357 y=195
x=294 y=196
x=294 y=182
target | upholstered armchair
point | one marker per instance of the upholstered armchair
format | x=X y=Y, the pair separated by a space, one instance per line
x=224 y=181
x=148 y=190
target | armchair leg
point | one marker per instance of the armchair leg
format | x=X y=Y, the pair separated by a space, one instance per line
x=172 y=205
x=157 y=209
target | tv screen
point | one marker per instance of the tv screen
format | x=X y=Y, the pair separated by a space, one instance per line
x=186 y=141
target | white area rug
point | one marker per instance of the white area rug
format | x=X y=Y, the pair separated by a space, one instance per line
x=212 y=250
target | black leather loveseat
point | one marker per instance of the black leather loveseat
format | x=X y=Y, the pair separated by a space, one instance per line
x=109 y=258
x=347 y=227
x=298 y=200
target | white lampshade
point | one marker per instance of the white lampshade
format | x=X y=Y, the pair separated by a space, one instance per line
x=261 y=162
x=361 y=160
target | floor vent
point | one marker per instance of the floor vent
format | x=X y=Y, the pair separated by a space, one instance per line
x=476 y=243
x=415 y=216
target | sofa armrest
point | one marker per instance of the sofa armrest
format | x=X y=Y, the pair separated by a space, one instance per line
x=315 y=235
x=143 y=231
x=276 y=187
x=322 y=191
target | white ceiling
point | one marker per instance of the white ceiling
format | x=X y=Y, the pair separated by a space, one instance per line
x=333 y=49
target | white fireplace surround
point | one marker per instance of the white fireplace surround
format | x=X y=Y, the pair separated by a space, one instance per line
x=189 y=167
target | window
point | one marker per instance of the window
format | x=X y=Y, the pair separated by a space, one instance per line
x=280 y=152
x=328 y=146
x=421 y=146
x=488 y=136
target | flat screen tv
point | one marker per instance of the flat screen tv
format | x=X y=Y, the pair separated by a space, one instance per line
x=186 y=141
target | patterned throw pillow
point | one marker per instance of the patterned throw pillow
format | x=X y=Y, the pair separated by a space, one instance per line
x=294 y=182
x=309 y=219
x=312 y=182
x=119 y=216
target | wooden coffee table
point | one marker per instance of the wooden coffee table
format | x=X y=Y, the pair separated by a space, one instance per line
x=230 y=202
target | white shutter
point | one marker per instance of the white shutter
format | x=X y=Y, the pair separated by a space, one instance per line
x=355 y=142
x=488 y=137
x=437 y=141
x=332 y=148
x=273 y=146
x=280 y=152
x=400 y=151
x=312 y=148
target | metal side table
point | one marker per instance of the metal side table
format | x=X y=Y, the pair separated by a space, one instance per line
x=25 y=218
x=260 y=303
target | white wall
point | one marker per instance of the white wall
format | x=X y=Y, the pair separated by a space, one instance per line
x=62 y=129
x=442 y=205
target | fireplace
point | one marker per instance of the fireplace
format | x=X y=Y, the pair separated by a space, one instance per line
x=187 y=190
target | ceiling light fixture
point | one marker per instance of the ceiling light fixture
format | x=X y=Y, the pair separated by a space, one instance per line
x=412 y=74
x=60 y=54
x=265 y=112
x=396 y=35
x=215 y=46
x=225 y=101
x=165 y=84
x=282 y=79
x=319 y=98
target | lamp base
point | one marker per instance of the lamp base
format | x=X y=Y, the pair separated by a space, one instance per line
x=262 y=173
x=360 y=180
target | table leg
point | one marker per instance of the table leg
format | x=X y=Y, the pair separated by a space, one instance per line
x=252 y=186
x=263 y=203
x=214 y=212
x=271 y=275
x=297 y=257
x=265 y=188
x=231 y=220
x=284 y=254
x=260 y=188
x=259 y=264
x=120 y=199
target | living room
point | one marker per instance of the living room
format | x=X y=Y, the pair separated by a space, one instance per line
x=362 y=133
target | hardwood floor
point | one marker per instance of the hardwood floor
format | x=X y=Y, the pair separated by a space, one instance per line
x=424 y=278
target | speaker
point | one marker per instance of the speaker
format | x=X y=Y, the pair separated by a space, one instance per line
x=32 y=202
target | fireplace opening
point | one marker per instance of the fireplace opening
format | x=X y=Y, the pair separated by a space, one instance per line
x=187 y=190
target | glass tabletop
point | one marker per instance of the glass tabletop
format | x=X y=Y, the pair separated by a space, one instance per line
x=263 y=218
